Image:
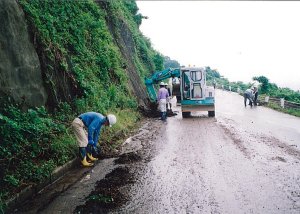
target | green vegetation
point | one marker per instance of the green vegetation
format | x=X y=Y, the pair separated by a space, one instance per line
x=92 y=43
x=295 y=112
x=169 y=63
x=33 y=143
x=82 y=40
x=101 y=198
x=214 y=75
x=265 y=87
x=273 y=90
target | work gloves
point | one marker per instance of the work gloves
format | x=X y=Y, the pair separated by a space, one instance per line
x=92 y=152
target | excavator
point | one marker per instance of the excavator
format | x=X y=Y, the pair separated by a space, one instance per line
x=191 y=91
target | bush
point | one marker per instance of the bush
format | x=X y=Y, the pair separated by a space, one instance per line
x=26 y=148
x=74 y=40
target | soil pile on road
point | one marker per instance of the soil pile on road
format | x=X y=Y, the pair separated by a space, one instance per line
x=128 y=158
x=107 y=194
x=112 y=192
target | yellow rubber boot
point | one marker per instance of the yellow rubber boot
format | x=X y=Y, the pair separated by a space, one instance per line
x=91 y=157
x=85 y=163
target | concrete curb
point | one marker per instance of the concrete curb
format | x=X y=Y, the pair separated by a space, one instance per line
x=32 y=190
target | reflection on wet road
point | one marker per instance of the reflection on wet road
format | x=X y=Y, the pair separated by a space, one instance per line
x=243 y=161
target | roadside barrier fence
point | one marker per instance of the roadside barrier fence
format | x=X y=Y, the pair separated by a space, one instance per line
x=265 y=100
x=280 y=102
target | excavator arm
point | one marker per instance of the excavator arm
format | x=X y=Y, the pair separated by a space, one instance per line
x=156 y=78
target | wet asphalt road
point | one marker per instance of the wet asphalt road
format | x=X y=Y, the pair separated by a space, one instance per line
x=246 y=160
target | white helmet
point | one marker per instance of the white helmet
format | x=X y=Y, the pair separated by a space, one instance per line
x=162 y=83
x=111 y=119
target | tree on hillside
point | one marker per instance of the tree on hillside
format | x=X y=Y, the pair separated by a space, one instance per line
x=133 y=9
x=212 y=73
x=264 y=83
x=169 y=63
x=158 y=62
x=273 y=87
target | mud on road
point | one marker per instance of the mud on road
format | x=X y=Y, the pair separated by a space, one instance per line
x=113 y=191
x=207 y=165
x=239 y=162
x=103 y=187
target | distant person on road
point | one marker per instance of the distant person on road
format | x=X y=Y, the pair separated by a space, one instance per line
x=248 y=95
x=87 y=127
x=255 y=93
x=162 y=97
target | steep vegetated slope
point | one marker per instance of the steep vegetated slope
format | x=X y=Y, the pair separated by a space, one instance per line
x=88 y=56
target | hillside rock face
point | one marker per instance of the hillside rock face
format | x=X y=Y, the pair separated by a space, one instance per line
x=126 y=45
x=125 y=42
x=23 y=63
x=20 y=72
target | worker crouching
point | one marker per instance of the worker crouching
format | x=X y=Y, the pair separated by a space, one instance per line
x=248 y=95
x=87 y=127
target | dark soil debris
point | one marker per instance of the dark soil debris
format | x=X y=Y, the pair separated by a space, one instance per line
x=128 y=158
x=279 y=158
x=107 y=194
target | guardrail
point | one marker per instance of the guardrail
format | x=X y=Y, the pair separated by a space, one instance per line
x=265 y=100
x=279 y=101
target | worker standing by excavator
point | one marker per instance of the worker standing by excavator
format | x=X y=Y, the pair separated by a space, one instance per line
x=169 y=104
x=162 y=97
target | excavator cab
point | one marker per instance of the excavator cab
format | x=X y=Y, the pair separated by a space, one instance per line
x=196 y=96
x=191 y=84
x=190 y=89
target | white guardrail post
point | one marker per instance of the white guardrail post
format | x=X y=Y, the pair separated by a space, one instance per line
x=267 y=99
x=282 y=102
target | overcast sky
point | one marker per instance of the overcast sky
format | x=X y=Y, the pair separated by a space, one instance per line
x=240 y=39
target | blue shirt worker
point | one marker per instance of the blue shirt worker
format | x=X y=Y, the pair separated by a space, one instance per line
x=87 y=128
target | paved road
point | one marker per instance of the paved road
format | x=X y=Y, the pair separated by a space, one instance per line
x=246 y=160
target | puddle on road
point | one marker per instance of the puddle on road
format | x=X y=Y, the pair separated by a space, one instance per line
x=107 y=194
